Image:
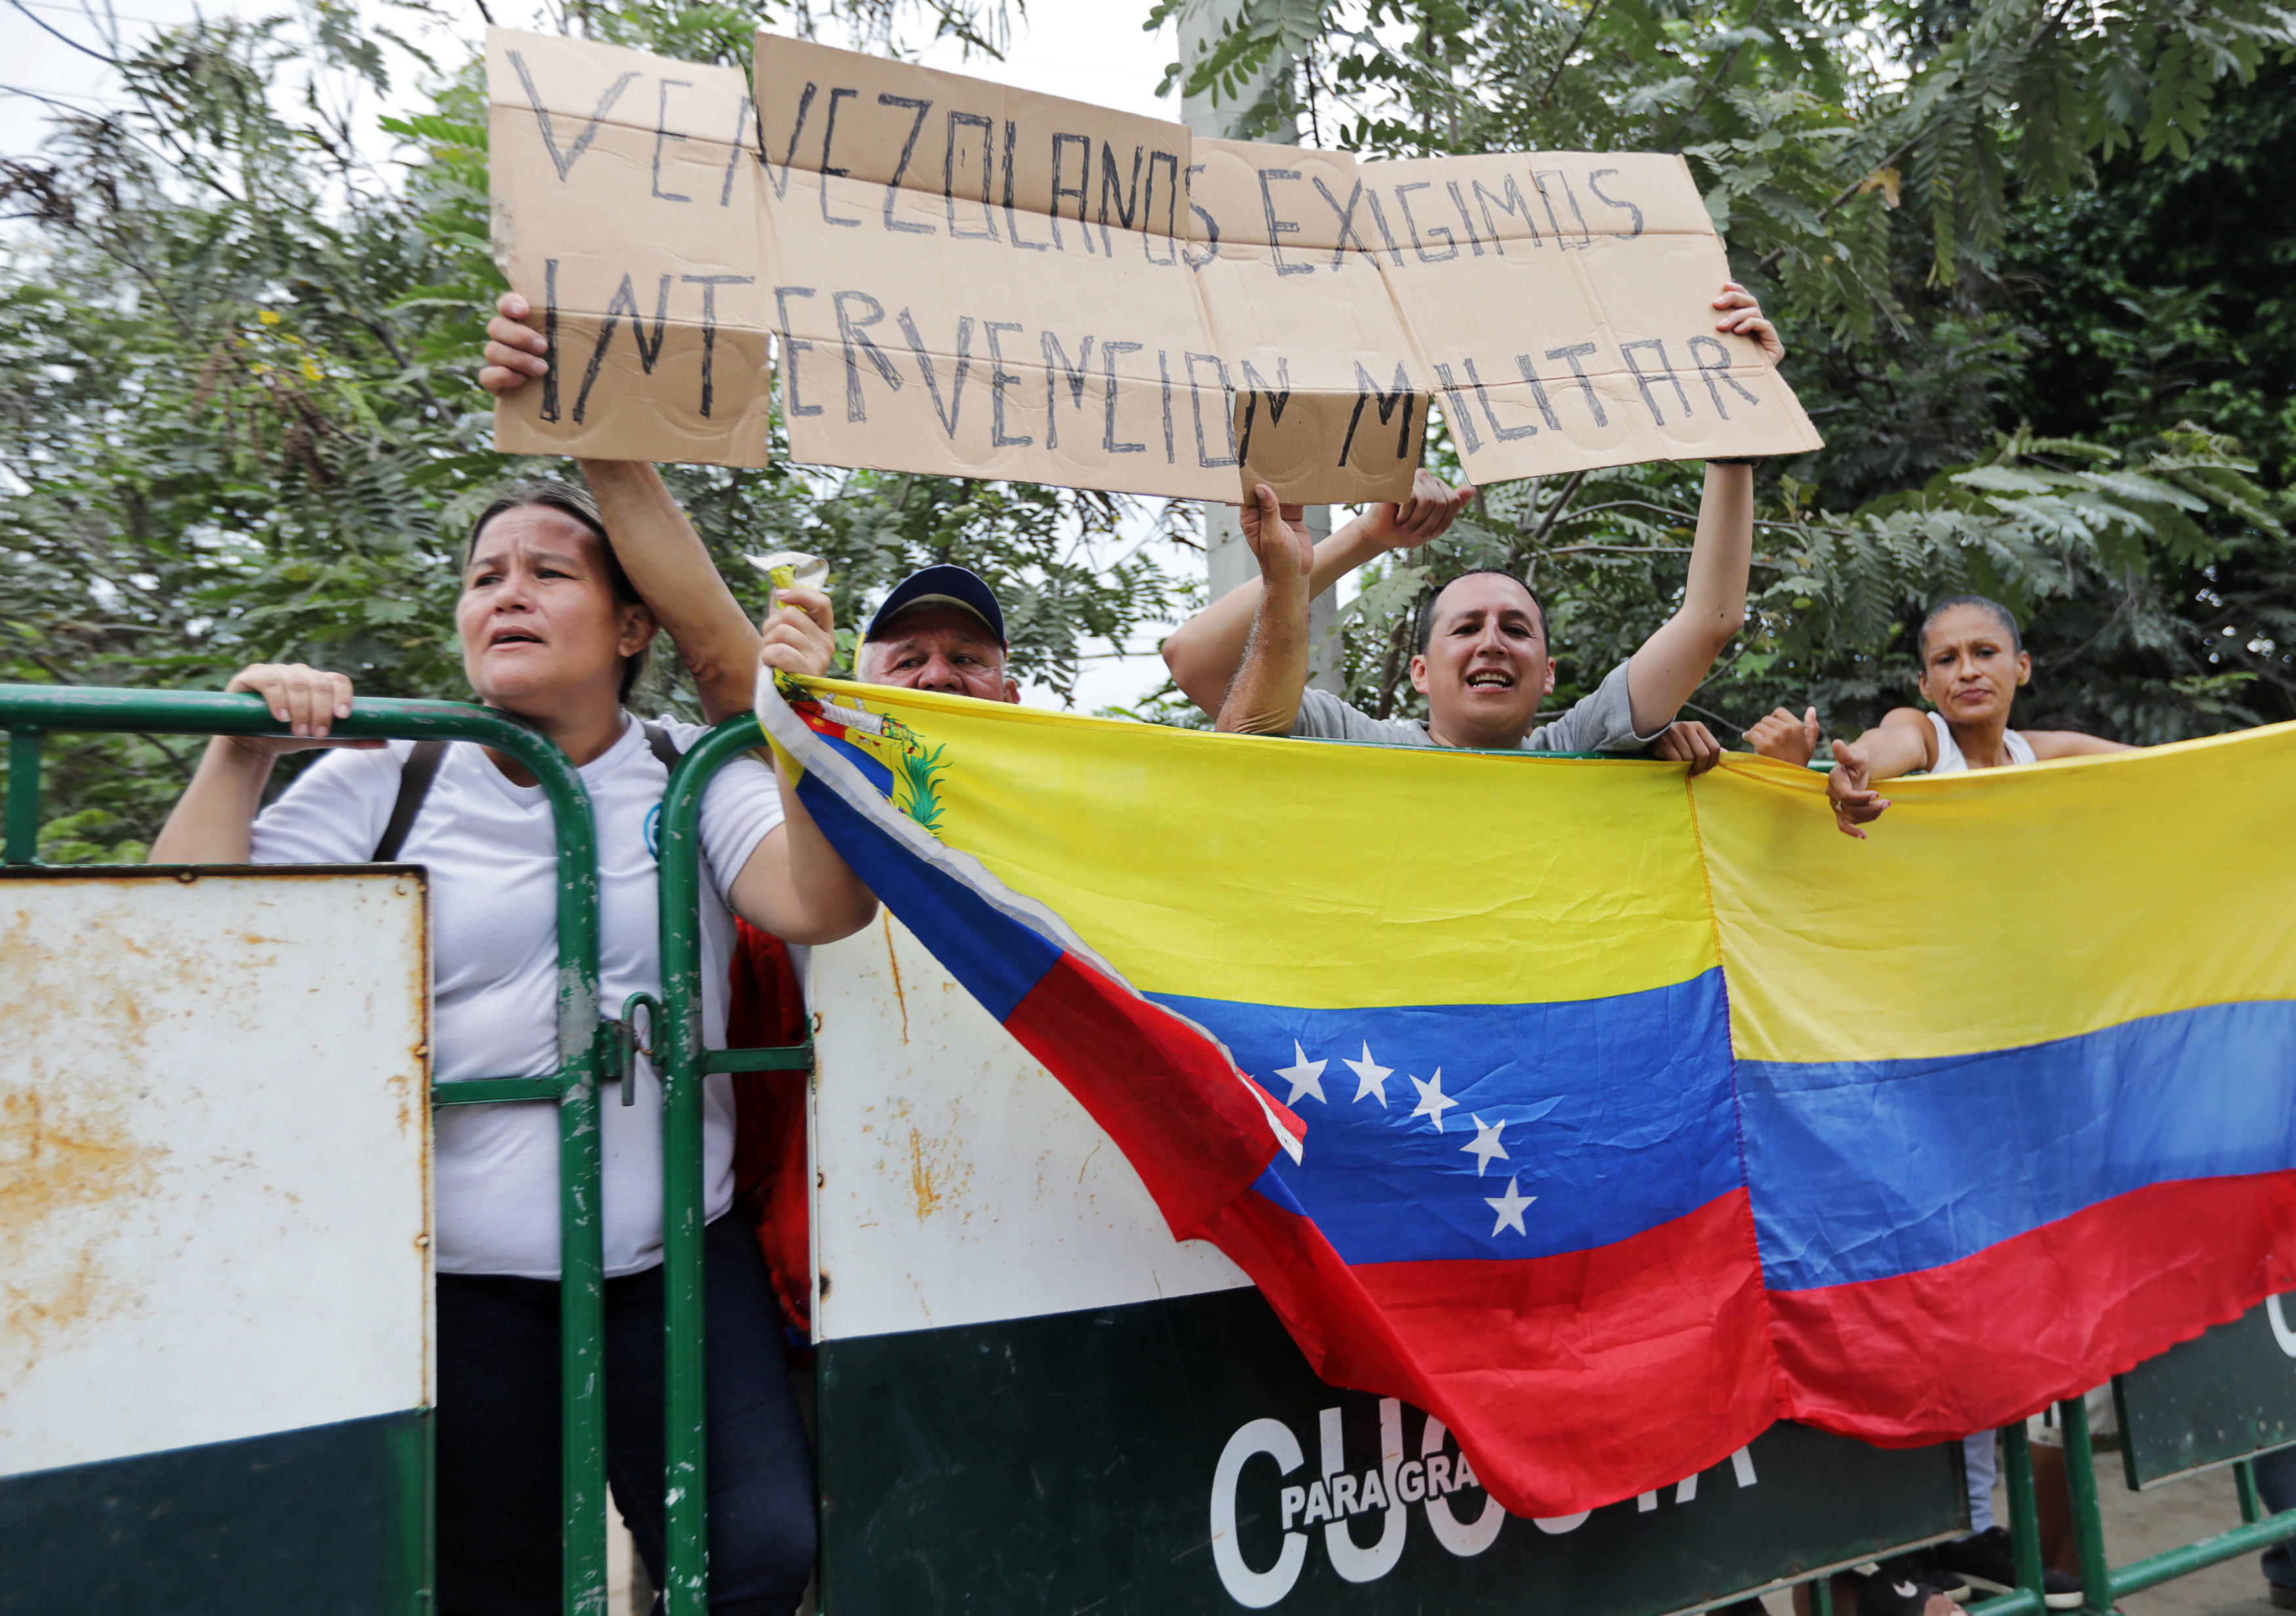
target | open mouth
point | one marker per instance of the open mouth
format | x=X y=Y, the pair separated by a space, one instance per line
x=511 y=636
x=1491 y=680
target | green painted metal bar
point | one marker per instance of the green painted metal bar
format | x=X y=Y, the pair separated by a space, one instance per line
x=1821 y=1596
x=2252 y=1501
x=797 y=1058
x=23 y=796
x=2024 y=1510
x=583 y=1036
x=2185 y=1559
x=2024 y=1529
x=494 y=1090
x=2089 y=1515
x=682 y=1062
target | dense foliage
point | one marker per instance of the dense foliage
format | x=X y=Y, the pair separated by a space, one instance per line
x=2031 y=257
x=238 y=423
x=2032 y=263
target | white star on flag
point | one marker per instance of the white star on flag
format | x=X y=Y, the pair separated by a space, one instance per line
x=1486 y=1143
x=1431 y=1103
x=1509 y=1207
x=1306 y=1076
x=1371 y=1076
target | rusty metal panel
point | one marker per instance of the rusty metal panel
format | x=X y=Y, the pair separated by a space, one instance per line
x=214 y=1157
x=956 y=1181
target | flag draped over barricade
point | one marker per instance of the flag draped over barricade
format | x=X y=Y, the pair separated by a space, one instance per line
x=1609 y=1118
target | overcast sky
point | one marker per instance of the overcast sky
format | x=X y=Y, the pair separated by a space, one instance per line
x=1089 y=50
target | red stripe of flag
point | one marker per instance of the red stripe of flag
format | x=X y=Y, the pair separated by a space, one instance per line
x=2040 y=1316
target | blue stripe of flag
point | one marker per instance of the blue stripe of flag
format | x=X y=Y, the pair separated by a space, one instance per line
x=1614 y=1113
x=997 y=958
x=1870 y=1170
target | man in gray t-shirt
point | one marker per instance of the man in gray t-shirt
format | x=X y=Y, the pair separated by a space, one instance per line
x=1483 y=662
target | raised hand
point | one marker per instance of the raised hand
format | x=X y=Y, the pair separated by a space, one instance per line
x=1687 y=741
x=1425 y=516
x=1782 y=736
x=1278 y=537
x=797 y=636
x=1855 y=805
x=1744 y=317
x=304 y=699
x=514 y=350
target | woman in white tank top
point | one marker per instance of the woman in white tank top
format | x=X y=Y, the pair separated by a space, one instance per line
x=1973 y=662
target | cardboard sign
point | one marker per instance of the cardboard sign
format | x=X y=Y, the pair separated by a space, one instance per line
x=970 y=279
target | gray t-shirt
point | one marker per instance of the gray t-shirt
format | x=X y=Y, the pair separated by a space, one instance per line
x=1601 y=721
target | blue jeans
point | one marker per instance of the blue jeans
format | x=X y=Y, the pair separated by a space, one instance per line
x=2275 y=1479
x=497 y=1433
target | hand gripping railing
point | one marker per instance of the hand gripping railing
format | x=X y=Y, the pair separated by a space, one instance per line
x=585 y=1042
x=683 y=1064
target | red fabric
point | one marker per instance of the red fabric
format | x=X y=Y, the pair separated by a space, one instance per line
x=1196 y=1134
x=1999 y=1335
x=766 y=1006
x=1668 y=1374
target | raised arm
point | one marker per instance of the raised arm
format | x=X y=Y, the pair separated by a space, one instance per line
x=1204 y=652
x=1674 y=662
x=666 y=562
x=1901 y=743
x=213 y=822
x=795 y=885
x=1264 y=699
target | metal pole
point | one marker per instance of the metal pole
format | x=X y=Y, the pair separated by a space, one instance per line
x=680 y=1062
x=23 y=796
x=584 y=1040
x=2088 y=1521
x=2024 y=1517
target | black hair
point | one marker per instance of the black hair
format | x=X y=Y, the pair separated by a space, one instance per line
x=1983 y=603
x=577 y=502
x=1427 y=602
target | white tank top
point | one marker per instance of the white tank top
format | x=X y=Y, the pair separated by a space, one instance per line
x=1949 y=760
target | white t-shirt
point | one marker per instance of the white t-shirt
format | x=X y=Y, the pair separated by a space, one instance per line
x=1949 y=758
x=494 y=929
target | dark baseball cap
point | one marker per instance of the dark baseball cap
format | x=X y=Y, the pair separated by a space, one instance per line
x=942 y=585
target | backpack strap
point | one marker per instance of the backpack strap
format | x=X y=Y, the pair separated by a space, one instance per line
x=414 y=777
x=663 y=747
x=421 y=767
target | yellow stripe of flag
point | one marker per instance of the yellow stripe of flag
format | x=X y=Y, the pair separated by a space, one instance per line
x=1320 y=876
x=2009 y=907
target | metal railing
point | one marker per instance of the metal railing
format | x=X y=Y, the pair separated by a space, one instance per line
x=591 y=1045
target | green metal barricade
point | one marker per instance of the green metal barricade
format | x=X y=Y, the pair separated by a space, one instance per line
x=585 y=1040
x=592 y=1046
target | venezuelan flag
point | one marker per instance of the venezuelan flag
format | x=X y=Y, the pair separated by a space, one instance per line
x=2017 y=1075
x=1610 y=1117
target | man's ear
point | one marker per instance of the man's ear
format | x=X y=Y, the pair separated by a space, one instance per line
x=1419 y=674
x=1012 y=691
x=638 y=630
x=1548 y=688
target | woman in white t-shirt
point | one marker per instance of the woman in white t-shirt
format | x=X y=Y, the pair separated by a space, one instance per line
x=553 y=632
x=1973 y=662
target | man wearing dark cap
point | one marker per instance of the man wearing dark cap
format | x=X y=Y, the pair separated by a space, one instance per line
x=940 y=629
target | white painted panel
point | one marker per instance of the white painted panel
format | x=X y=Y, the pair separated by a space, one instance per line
x=956 y=1180
x=214 y=1158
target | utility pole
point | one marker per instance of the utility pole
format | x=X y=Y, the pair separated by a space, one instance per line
x=1227 y=558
